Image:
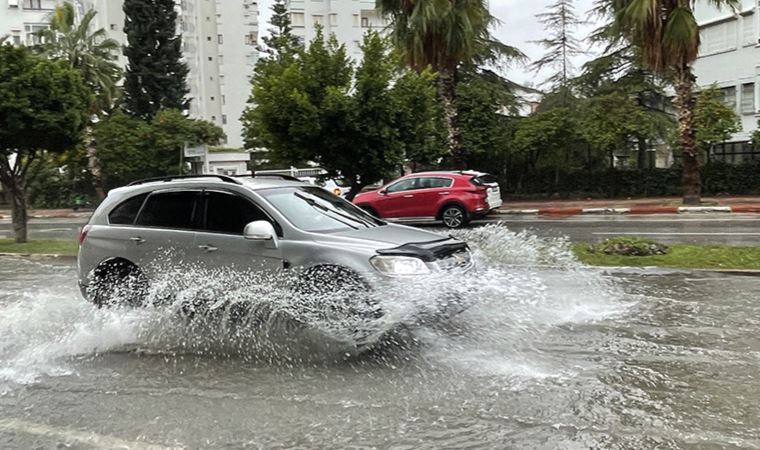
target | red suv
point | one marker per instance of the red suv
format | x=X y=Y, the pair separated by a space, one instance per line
x=452 y=197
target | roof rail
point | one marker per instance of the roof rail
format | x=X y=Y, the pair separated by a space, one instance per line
x=269 y=175
x=224 y=178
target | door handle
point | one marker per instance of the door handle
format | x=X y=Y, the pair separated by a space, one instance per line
x=208 y=248
x=137 y=240
x=443 y=193
x=408 y=196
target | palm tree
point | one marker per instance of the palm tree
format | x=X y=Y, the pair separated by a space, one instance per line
x=444 y=35
x=666 y=35
x=94 y=55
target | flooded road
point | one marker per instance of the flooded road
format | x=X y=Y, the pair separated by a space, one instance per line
x=553 y=355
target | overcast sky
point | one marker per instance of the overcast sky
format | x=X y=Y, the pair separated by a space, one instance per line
x=518 y=26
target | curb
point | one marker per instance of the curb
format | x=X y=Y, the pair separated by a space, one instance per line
x=633 y=210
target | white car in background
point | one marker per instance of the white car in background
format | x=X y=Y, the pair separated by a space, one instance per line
x=337 y=187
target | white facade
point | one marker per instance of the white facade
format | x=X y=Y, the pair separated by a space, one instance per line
x=348 y=20
x=219 y=46
x=19 y=19
x=729 y=56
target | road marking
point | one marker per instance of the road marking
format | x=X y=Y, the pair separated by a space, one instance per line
x=649 y=233
x=70 y=434
x=616 y=219
x=50 y=230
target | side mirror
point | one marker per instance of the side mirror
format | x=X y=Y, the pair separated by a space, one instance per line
x=382 y=191
x=261 y=230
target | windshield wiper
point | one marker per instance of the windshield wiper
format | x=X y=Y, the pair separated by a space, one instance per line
x=366 y=223
x=324 y=210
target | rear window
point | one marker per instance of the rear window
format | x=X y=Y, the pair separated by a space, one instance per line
x=482 y=180
x=169 y=210
x=126 y=212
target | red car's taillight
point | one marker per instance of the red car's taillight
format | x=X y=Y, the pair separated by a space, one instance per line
x=83 y=234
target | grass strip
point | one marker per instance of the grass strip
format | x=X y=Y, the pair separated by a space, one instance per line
x=680 y=256
x=64 y=247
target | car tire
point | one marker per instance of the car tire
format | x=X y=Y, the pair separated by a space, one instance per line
x=454 y=216
x=117 y=282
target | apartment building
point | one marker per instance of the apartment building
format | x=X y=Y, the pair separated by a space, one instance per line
x=348 y=20
x=219 y=46
x=729 y=56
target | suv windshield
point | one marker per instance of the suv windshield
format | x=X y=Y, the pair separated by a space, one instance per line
x=314 y=209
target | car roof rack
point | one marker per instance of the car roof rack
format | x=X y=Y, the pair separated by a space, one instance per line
x=224 y=178
x=270 y=175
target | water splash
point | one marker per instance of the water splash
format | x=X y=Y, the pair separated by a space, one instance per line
x=523 y=286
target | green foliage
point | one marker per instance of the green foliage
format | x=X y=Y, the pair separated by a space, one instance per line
x=357 y=124
x=629 y=246
x=680 y=256
x=487 y=107
x=714 y=122
x=92 y=53
x=156 y=76
x=43 y=103
x=561 y=45
x=43 y=106
x=40 y=247
x=132 y=149
x=59 y=180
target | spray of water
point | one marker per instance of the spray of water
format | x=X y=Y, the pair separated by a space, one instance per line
x=523 y=286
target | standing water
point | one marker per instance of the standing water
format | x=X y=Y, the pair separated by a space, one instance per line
x=551 y=354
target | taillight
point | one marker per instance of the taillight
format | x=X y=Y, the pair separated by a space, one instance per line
x=482 y=190
x=83 y=234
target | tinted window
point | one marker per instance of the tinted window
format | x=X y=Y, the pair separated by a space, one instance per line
x=169 y=210
x=125 y=213
x=484 y=179
x=432 y=183
x=404 y=185
x=227 y=213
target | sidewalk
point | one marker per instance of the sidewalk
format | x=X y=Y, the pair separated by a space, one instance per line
x=661 y=205
x=50 y=213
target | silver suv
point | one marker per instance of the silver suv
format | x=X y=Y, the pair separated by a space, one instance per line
x=251 y=224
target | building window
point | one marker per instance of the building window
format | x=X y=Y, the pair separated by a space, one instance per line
x=365 y=22
x=297 y=19
x=318 y=19
x=213 y=118
x=224 y=119
x=13 y=4
x=356 y=20
x=748 y=30
x=220 y=39
x=333 y=20
x=32 y=36
x=114 y=27
x=224 y=99
x=210 y=58
x=719 y=37
x=251 y=38
x=729 y=97
x=32 y=4
x=213 y=98
x=748 y=98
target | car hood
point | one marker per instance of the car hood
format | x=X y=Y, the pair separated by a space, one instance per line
x=392 y=235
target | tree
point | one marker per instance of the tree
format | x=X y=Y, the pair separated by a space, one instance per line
x=132 y=148
x=714 y=122
x=43 y=106
x=156 y=76
x=94 y=56
x=444 y=34
x=350 y=122
x=561 y=45
x=666 y=35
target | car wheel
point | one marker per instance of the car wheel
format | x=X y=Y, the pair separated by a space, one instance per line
x=117 y=283
x=454 y=216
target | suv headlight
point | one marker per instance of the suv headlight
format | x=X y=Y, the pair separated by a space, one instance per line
x=399 y=266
